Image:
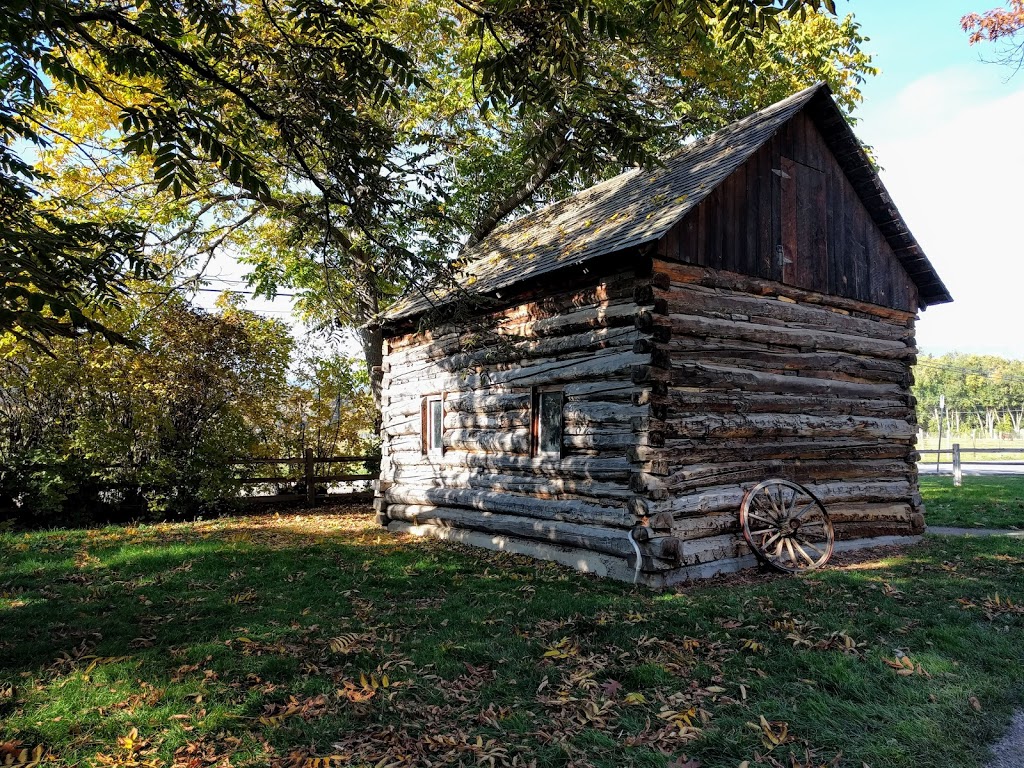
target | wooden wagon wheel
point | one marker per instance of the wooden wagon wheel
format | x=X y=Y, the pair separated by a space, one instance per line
x=786 y=526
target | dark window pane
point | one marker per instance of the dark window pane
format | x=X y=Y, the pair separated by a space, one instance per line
x=436 y=424
x=550 y=425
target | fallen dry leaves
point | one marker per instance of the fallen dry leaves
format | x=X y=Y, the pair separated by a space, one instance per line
x=398 y=713
x=905 y=666
x=13 y=754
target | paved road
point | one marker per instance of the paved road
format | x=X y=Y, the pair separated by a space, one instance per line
x=972 y=468
x=1008 y=752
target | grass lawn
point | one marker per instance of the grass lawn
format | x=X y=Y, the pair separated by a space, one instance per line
x=981 y=502
x=320 y=641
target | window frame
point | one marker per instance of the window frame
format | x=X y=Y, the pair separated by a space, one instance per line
x=428 y=447
x=536 y=423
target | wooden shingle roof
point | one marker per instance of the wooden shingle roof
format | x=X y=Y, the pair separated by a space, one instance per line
x=638 y=207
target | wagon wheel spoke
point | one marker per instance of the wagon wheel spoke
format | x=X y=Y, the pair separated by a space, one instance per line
x=812 y=545
x=778 y=549
x=776 y=503
x=762 y=518
x=792 y=504
x=786 y=526
x=810 y=505
x=810 y=560
x=789 y=549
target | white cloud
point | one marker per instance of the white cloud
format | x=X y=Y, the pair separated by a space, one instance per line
x=953 y=156
x=934 y=98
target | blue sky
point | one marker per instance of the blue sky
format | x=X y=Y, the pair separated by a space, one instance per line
x=946 y=127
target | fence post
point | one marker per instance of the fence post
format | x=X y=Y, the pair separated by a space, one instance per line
x=310 y=485
x=957 y=474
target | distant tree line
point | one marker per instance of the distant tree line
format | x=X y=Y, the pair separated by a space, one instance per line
x=984 y=395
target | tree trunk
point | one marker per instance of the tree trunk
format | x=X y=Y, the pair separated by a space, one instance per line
x=1016 y=418
x=372 y=338
x=367 y=300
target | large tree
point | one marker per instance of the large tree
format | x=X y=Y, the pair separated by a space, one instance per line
x=196 y=86
x=351 y=148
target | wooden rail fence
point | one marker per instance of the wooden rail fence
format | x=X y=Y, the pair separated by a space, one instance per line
x=308 y=461
x=956 y=452
x=308 y=478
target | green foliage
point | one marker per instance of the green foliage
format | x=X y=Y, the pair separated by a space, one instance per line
x=644 y=89
x=196 y=87
x=56 y=271
x=427 y=121
x=91 y=428
x=58 y=275
x=982 y=393
x=330 y=407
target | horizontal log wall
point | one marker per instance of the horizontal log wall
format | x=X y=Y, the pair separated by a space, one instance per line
x=767 y=380
x=594 y=344
x=684 y=386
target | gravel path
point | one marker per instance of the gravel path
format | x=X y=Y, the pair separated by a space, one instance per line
x=1008 y=752
x=939 y=530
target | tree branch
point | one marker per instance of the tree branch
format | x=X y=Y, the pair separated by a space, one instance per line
x=543 y=170
x=180 y=56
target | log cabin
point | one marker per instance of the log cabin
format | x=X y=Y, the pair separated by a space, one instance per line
x=620 y=366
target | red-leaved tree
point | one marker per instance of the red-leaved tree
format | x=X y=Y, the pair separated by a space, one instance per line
x=999 y=25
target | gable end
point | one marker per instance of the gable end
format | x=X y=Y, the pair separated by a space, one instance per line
x=791 y=214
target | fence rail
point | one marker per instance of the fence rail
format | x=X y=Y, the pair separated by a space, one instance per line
x=956 y=452
x=308 y=478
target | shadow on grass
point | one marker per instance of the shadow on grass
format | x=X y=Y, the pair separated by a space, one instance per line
x=251 y=639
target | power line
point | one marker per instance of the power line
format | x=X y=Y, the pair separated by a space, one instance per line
x=282 y=312
x=968 y=371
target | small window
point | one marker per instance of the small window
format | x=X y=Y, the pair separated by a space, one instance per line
x=547 y=423
x=433 y=426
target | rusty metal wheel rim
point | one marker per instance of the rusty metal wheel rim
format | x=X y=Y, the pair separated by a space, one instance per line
x=786 y=526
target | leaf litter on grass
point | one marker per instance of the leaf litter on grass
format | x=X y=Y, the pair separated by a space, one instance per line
x=478 y=659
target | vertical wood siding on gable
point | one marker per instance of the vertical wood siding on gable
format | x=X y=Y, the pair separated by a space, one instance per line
x=790 y=214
